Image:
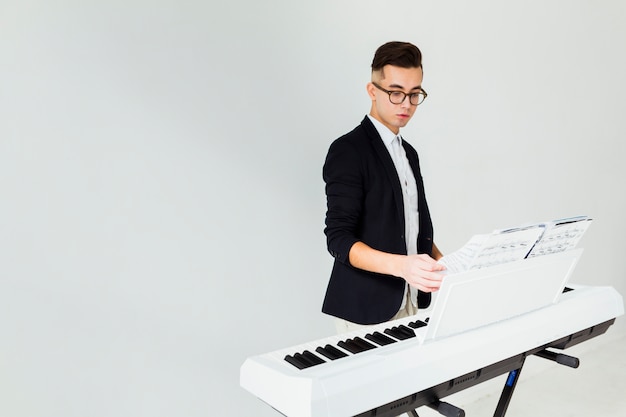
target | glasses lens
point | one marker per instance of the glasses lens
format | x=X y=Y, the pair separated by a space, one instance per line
x=397 y=97
x=417 y=98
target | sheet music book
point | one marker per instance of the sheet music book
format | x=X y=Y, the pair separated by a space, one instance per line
x=513 y=244
x=561 y=235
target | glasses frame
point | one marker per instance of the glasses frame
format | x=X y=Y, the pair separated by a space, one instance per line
x=389 y=93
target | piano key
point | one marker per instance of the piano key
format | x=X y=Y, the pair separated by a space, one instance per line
x=409 y=332
x=304 y=360
x=417 y=324
x=363 y=343
x=400 y=332
x=356 y=345
x=313 y=358
x=332 y=348
x=406 y=331
x=331 y=352
x=297 y=361
x=381 y=339
x=350 y=346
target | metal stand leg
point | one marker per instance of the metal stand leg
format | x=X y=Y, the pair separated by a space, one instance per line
x=560 y=358
x=507 y=392
x=443 y=408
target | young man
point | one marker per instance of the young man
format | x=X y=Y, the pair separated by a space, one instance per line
x=378 y=226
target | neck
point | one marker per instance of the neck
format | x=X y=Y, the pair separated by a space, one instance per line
x=394 y=129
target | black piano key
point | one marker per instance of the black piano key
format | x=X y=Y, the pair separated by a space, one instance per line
x=304 y=359
x=417 y=324
x=296 y=360
x=400 y=332
x=408 y=331
x=363 y=343
x=313 y=358
x=353 y=346
x=381 y=339
x=331 y=352
x=350 y=346
x=393 y=331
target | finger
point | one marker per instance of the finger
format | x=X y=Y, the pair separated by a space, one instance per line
x=429 y=264
x=433 y=276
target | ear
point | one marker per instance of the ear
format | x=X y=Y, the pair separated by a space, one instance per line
x=371 y=90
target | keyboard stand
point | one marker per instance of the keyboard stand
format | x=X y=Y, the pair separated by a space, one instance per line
x=507 y=392
x=511 y=382
x=430 y=397
x=449 y=410
x=443 y=408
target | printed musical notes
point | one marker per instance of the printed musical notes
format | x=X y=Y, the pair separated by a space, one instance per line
x=513 y=244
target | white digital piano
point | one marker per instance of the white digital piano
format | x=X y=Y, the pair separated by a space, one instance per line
x=524 y=308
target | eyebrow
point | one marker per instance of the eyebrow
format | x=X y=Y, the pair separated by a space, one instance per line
x=419 y=87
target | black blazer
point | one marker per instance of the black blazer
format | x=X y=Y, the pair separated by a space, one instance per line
x=364 y=203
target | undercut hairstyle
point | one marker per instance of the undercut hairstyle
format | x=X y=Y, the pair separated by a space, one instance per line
x=398 y=54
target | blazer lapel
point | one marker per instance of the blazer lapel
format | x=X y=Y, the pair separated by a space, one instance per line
x=389 y=167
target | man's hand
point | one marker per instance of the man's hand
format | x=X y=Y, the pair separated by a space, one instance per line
x=422 y=272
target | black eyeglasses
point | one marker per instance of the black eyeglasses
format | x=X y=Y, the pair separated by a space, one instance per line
x=398 y=97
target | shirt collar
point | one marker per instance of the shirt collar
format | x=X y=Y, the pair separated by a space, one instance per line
x=385 y=134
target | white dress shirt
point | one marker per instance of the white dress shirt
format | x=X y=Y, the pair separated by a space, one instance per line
x=393 y=143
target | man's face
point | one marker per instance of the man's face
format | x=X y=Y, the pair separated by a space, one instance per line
x=408 y=80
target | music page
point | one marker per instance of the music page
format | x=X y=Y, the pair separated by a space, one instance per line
x=561 y=235
x=513 y=244
x=482 y=251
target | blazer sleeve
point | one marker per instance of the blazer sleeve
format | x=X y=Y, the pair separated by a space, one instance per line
x=343 y=175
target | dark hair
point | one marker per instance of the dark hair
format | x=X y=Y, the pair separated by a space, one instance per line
x=398 y=54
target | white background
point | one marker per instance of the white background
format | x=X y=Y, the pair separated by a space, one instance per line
x=162 y=205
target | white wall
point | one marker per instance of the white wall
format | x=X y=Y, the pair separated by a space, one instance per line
x=160 y=169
